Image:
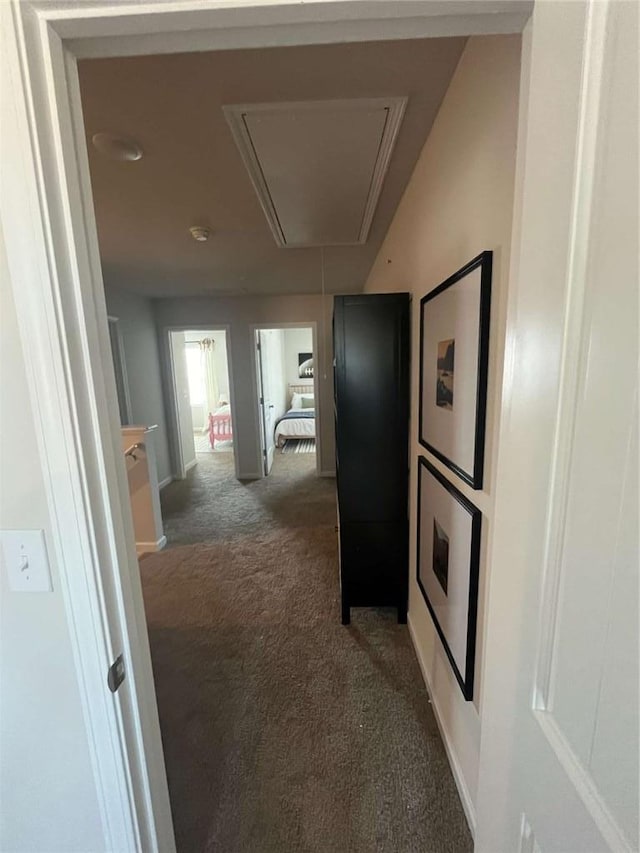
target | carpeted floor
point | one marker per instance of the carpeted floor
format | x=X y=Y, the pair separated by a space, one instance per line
x=285 y=732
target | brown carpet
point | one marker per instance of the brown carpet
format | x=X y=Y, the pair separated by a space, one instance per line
x=283 y=730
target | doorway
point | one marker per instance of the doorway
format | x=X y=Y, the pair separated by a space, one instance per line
x=287 y=401
x=82 y=374
x=201 y=385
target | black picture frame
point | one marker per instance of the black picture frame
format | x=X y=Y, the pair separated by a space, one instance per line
x=484 y=261
x=305 y=371
x=467 y=682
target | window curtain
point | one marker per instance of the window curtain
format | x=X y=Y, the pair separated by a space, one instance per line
x=211 y=391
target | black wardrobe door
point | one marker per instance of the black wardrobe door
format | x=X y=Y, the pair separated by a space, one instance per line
x=371 y=391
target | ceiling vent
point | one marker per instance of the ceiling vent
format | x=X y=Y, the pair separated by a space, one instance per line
x=318 y=166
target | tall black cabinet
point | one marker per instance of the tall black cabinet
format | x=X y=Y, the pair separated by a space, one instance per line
x=371 y=348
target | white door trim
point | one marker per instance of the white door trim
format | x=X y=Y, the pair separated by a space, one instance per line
x=52 y=251
x=54 y=268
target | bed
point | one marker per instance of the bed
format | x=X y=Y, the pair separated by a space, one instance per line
x=220 y=425
x=299 y=422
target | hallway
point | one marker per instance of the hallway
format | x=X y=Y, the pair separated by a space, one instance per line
x=284 y=731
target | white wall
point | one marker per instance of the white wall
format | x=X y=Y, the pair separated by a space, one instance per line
x=241 y=314
x=47 y=791
x=296 y=341
x=142 y=357
x=459 y=201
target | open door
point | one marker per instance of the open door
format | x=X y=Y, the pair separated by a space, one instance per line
x=559 y=751
x=266 y=405
x=120 y=371
x=185 y=449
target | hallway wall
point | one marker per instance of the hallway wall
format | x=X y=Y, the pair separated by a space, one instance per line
x=241 y=313
x=142 y=358
x=458 y=202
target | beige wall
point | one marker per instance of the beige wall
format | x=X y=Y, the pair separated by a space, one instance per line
x=47 y=790
x=240 y=314
x=459 y=201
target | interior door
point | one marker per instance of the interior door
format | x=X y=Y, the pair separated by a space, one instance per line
x=120 y=371
x=559 y=752
x=184 y=434
x=266 y=404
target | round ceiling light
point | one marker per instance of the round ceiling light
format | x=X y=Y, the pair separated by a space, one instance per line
x=117 y=147
x=200 y=233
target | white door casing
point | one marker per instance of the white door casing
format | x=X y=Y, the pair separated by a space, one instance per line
x=559 y=747
x=55 y=274
x=53 y=259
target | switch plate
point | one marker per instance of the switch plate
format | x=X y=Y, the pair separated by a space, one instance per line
x=26 y=561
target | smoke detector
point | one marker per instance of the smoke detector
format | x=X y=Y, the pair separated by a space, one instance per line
x=200 y=233
x=117 y=147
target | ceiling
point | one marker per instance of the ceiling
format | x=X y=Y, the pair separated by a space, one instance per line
x=192 y=172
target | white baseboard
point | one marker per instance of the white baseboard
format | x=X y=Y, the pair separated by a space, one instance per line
x=165 y=482
x=151 y=547
x=191 y=464
x=465 y=797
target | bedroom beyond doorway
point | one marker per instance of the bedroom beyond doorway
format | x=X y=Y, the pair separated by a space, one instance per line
x=285 y=359
x=202 y=393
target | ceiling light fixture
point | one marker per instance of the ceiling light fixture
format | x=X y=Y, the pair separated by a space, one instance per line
x=117 y=147
x=200 y=233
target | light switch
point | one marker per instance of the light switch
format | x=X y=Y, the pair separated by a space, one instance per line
x=26 y=561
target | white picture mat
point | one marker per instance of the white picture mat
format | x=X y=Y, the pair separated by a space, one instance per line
x=453 y=314
x=451 y=610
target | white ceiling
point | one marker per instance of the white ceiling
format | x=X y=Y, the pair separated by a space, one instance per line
x=192 y=172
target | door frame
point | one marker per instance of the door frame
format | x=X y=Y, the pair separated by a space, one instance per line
x=119 y=357
x=302 y=324
x=172 y=397
x=48 y=220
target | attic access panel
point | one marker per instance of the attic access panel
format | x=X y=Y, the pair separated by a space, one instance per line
x=318 y=166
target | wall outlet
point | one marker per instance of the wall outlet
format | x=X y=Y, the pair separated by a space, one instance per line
x=26 y=561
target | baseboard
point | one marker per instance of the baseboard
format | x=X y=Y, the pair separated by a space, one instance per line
x=252 y=476
x=463 y=791
x=165 y=482
x=150 y=547
x=191 y=464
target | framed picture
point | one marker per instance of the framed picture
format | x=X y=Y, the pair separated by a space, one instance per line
x=305 y=365
x=448 y=559
x=454 y=359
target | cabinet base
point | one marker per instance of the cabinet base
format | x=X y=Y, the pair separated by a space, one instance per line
x=345 y=616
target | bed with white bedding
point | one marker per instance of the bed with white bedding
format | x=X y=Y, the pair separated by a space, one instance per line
x=300 y=420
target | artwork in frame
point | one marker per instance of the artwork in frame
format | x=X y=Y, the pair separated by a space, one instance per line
x=454 y=360
x=305 y=365
x=447 y=567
